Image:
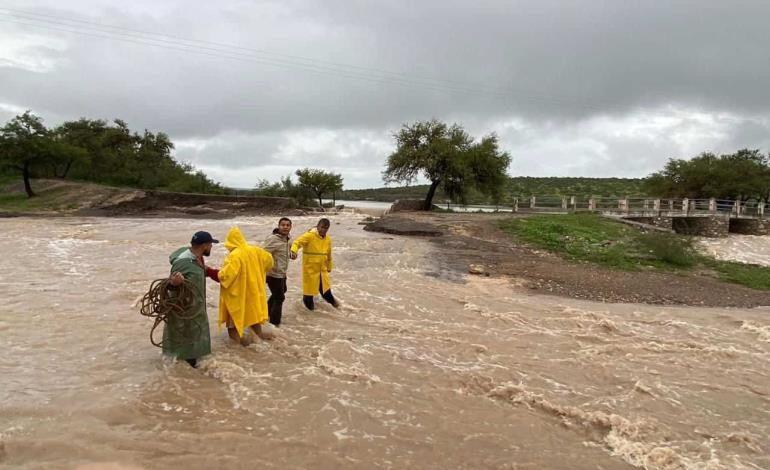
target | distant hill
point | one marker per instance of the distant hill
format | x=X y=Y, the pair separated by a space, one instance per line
x=520 y=186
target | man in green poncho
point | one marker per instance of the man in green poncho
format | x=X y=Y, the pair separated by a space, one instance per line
x=189 y=338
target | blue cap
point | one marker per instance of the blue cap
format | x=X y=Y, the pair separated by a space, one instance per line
x=199 y=238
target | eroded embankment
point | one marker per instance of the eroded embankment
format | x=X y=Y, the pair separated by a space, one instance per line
x=474 y=240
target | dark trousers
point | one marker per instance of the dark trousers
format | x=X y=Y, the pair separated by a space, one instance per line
x=277 y=287
x=308 y=299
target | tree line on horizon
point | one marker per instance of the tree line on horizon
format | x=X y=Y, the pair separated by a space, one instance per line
x=743 y=175
x=96 y=151
x=515 y=186
x=312 y=183
x=459 y=168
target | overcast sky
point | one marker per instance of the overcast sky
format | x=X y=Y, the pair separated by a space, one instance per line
x=257 y=89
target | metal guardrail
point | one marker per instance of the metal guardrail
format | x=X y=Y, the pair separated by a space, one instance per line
x=642 y=206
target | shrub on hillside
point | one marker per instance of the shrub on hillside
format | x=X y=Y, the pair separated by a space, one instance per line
x=670 y=249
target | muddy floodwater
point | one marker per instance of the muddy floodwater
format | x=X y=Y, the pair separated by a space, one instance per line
x=421 y=368
x=742 y=248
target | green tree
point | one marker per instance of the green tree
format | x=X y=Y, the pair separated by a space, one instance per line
x=266 y=188
x=447 y=157
x=78 y=141
x=485 y=167
x=742 y=175
x=319 y=182
x=96 y=151
x=283 y=188
x=25 y=144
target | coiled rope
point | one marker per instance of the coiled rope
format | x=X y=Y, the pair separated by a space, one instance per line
x=164 y=302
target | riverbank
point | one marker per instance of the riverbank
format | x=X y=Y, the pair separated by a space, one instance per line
x=68 y=198
x=472 y=242
x=476 y=242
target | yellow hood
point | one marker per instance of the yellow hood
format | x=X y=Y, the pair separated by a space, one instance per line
x=242 y=298
x=235 y=239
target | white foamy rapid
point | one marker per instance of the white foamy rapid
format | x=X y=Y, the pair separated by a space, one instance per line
x=753 y=249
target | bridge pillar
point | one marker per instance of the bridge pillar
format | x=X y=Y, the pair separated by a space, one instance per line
x=713 y=205
x=564 y=202
x=592 y=204
x=685 y=205
x=656 y=206
x=515 y=204
x=532 y=202
x=712 y=226
x=750 y=226
x=573 y=203
x=623 y=205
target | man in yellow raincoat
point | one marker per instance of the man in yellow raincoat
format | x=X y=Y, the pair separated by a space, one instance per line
x=317 y=263
x=242 y=299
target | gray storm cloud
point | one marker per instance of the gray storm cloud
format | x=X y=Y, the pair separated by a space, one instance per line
x=572 y=88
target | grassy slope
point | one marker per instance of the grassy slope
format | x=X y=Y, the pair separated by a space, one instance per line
x=14 y=199
x=53 y=195
x=18 y=202
x=587 y=237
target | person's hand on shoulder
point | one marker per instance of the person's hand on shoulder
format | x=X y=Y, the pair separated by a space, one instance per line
x=176 y=279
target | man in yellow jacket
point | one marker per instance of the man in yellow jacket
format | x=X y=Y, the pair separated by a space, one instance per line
x=316 y=245
x=242 y=299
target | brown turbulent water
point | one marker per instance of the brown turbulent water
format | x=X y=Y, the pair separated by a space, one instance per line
x=742 y=248
x=420 y=369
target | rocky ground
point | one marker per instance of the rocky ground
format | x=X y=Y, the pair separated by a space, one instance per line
x=472 y=242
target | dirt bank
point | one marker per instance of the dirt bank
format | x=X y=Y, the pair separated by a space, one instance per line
x=474 y=239
x=60 y=197
x=396 y=225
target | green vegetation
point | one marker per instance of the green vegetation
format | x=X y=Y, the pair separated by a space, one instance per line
x=584 y=237
x=319 y=182
x=742 y=175
x=19 y=202
x=56 y=199
x=591 y=238
x=311 y=184
x=448 y=157
x=750 y=275
x=577 y=186
x=96 y=151
x=520 y=186
x=6 y=179
x=671 y=250
x=284 y=188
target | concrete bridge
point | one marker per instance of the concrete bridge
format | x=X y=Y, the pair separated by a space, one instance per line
x=702 y=217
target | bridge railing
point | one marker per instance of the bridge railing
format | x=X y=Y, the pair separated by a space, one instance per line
x=641 y=206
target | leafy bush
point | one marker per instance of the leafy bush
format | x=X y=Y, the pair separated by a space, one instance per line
x=669 y=249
